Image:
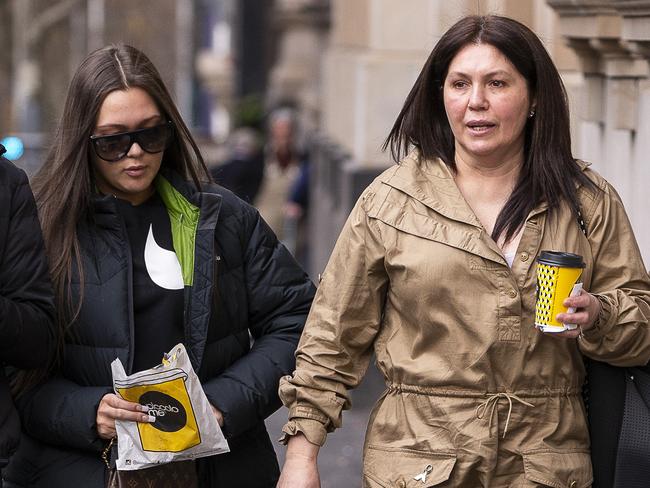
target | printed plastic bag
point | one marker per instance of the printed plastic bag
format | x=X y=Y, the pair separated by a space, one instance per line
x=185 y=426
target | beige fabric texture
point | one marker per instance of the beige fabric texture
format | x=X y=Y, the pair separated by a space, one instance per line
x=415 y=277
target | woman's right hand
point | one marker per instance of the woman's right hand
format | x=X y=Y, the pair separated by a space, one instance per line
x=112 y=407
x=300 y=468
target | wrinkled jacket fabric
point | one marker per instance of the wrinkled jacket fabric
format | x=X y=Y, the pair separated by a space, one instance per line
x=26 y=298
x=476 y=395
x=259 y=288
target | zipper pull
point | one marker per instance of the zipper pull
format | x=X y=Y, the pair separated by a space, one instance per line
x=423 y=475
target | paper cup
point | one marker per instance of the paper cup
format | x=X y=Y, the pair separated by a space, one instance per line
x=558 y=277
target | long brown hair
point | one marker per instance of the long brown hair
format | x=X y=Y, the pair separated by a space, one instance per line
x=549 y=172
x=64 y=185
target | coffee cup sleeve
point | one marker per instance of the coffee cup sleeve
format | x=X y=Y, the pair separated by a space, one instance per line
x=577 y=288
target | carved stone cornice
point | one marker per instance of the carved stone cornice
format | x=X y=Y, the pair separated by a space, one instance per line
x=311 y=13
x=588 y=19
x=582 y=7
x=632 y=8
x=610 y=37
x=641 y=48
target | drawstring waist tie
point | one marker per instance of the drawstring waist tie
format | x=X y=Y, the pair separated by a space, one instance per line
x=490 y=400
x=493 y=400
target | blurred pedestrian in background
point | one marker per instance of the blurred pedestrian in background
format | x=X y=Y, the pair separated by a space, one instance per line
x=435 y=269
x=146 y=253
x=26 y=301
x=243 y=169
x=283 y=195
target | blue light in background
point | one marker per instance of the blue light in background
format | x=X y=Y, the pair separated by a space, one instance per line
x=14 y=146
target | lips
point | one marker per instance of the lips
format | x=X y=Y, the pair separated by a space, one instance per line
x=135 y=170
x=480 y=126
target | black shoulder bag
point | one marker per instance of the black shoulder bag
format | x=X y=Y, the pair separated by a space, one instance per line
x=618 y=406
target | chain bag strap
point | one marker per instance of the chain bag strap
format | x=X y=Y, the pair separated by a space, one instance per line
x=180 y=474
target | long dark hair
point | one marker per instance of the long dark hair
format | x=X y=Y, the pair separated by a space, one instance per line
x=549 y=173
x=64 y=185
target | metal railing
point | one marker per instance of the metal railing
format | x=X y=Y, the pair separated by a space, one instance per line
x=336 y=182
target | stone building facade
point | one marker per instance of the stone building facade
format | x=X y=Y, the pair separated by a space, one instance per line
x=45 y=40
x=346 y=64
x=377 y=48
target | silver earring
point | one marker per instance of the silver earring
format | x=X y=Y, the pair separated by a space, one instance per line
x=531 y=114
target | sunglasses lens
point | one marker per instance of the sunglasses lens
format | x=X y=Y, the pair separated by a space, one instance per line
x=155 y=139
x=112 y=148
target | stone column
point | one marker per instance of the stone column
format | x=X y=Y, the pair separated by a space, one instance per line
x=611 y=40
x=635 y=35
x=216 y=70
x=5 y=65
x=302 y=28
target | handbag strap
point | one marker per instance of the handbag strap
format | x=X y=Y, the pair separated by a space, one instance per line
x=581 y=222
x=585 y=384
x=106 y=452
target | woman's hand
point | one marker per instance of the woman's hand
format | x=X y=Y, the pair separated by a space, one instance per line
x=587 y=307
x=218 y=415
x=113 y=407
x=300 y=468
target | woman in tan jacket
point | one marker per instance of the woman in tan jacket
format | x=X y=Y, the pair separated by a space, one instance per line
x=435 y=270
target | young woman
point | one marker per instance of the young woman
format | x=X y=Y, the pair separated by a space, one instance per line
x=146 y=253
x=435 y=268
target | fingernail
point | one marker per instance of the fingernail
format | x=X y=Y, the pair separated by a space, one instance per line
x=149 y=418
x=144 y=408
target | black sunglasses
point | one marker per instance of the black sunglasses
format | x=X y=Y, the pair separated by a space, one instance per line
x=114 y=147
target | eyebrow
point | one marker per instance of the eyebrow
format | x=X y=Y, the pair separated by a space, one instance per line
x=490 y=74
x=122 y=126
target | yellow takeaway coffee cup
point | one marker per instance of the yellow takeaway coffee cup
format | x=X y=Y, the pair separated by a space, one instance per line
x=558 y=277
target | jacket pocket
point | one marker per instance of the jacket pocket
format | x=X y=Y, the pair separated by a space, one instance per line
x=406 y=468
x=569 y=469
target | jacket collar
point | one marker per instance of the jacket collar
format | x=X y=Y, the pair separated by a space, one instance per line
x=431 y=182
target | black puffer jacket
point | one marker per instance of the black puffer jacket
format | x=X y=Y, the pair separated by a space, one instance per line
x=26 y=300
x=259 y=288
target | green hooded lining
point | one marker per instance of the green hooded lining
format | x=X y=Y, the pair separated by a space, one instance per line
x=184 y=218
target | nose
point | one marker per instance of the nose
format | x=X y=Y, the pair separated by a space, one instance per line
x=135 y=150
x=477 y=98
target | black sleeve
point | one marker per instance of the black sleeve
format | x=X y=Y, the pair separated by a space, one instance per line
x=279 y=297
x=26 y=299
x=61 y=412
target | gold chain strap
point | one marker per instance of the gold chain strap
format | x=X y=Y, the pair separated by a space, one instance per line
x=107 y=451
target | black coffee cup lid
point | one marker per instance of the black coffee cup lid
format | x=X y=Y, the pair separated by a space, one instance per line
x=563 y=259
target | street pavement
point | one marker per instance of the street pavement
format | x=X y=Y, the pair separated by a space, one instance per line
x=339 y=461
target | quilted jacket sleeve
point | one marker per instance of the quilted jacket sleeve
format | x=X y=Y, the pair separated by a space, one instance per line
x=60 y=412
x=279 y=296
x=26 y=298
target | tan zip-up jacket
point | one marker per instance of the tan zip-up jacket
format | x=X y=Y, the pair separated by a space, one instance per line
x=476 y=395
